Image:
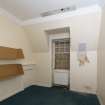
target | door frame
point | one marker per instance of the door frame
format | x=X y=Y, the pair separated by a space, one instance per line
x=51 y=38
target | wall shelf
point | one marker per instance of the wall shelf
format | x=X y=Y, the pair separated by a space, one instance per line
x=10 y=70
x=7 y=53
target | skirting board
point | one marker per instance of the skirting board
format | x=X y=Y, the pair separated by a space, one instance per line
x=83 y=91
x=100 y=100
x=45 y=84
x=21 y=89
x=9 y=95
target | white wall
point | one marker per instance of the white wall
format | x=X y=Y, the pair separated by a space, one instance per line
x=84 y=78
x=101 y=59
x=43 y=69
x=83 y=28
x=12 y=35
x=29 y=75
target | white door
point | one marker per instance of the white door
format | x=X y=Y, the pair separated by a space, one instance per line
x=61 y=61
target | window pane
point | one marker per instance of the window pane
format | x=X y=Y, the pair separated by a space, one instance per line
x=62 y=54
x=62 y=61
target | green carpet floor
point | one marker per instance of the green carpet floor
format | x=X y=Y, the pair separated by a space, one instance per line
x=36 y=95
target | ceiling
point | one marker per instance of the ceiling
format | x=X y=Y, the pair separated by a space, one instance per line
x=28 y=9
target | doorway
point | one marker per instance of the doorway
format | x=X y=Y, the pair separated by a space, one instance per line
x=59 y=51
x=61 y=62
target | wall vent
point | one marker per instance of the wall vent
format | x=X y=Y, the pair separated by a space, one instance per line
x=57 y=11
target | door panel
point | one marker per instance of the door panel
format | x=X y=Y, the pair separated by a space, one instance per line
x=61 y=61
x=61 y=77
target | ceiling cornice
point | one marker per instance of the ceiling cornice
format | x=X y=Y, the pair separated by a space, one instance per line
x=10 y=16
